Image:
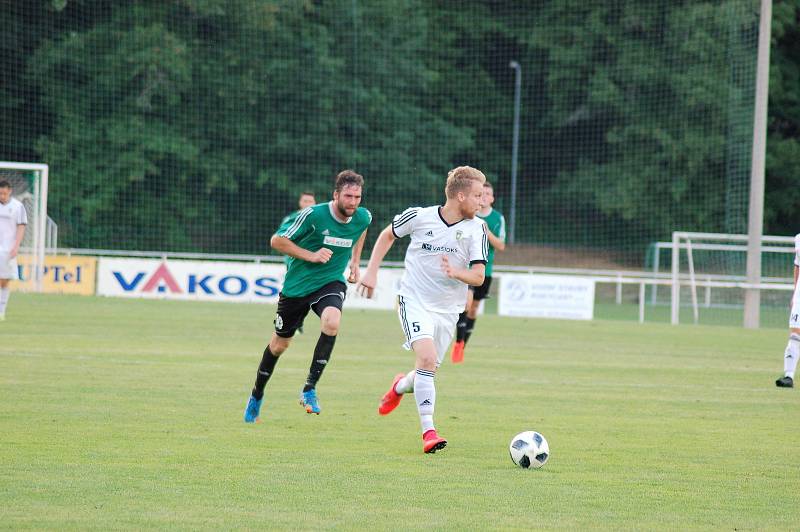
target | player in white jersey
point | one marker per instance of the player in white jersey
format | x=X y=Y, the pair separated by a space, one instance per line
x=447 y=252
x=13 y=220
x=792 y=352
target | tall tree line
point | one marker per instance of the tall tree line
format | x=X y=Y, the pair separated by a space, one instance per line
x=210 y=115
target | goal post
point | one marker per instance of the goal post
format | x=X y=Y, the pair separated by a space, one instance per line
x=718 y=262
x=29 y=183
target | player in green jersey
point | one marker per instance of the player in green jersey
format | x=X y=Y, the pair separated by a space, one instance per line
x=496 y=225
x=321 y=242
x=306 y=199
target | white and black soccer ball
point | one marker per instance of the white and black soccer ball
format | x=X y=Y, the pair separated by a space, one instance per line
x=529 y=449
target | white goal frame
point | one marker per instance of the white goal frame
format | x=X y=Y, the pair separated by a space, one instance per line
x=39 y=216
x=688 y=241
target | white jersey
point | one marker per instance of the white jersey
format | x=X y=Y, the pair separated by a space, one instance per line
x=463 y=243
x=12 y=214
x=797 y=250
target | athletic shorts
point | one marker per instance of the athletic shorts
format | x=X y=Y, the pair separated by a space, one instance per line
x=482 y=291
x=8 y=267
x=418 y=322
x=794 y=316
x=293 y=310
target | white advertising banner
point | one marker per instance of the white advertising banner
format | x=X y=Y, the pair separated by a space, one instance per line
x=245 y=282
x=189 y=279
x=385 y=292
x=546 y=296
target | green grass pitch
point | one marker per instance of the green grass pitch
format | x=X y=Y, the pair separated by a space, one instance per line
x=128 y=414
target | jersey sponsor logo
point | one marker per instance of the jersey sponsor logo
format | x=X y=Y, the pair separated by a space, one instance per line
x=435 y=249
x=338 y=242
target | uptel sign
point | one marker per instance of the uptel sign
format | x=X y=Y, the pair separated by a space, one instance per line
x=61 y=274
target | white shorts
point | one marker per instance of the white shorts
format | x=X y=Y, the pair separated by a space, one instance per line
x=418 y=322
x=8 y=267
x=794 y=316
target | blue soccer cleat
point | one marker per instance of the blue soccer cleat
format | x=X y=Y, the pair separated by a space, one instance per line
x=308 y=400
x=253 y=409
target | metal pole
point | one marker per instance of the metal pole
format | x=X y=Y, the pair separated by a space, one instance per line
x=514 y=153
x=675 y=302
x=755 y=226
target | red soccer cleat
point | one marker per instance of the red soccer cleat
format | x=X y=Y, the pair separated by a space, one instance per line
x=457 y=354
x=391 y=399
x=432 y=442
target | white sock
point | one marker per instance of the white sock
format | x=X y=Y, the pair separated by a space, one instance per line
x=425 y=395
x=406 y=384
x=791 y=355
x=5 y=293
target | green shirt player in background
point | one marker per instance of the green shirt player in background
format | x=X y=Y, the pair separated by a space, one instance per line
x=496 y=225
x=321 y=242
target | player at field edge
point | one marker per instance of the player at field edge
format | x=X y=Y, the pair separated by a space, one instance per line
x=13 y=220
x=448 y=251
x=321 y=241
x=792 y=352
x=496 y=232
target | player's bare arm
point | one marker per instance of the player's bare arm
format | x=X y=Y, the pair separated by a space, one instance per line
x=287 y=247
x=379 y=251
x=17 y=241
x=474 y=275
x=355 y=260
x=495 y=242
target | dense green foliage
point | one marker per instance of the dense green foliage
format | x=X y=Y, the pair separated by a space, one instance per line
x=127 y=414
x=192 y=124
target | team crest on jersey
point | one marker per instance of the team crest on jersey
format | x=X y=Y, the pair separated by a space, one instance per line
x=459 y=234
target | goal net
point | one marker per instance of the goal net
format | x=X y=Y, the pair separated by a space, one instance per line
x=29 y=185
x=708 y=273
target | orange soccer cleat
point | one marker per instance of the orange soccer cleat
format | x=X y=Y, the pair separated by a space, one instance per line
x=432 y=442
x=457 y=354
x=390 y=399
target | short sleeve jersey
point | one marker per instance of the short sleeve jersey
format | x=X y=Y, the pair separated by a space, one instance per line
x=463 y=243
x=496 y=223
x=313 y=228
x=288 y=220
x=12 y=214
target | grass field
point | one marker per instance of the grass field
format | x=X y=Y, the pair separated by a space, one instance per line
x=128 y=414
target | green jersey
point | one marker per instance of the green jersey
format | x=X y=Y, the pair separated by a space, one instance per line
x=496 y=223
x=288 y=220
x=313 y=228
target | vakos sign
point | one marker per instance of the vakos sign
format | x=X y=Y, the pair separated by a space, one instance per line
x=184 y=279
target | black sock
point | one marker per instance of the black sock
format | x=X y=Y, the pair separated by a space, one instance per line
x=461 y=326
x=322 y=354
x=468 y=327
x=265 y=369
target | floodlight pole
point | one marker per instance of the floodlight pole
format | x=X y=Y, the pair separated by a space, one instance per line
x=755 y=225
x=514 y=153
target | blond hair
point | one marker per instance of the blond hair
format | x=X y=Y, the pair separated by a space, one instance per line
x=460 y=179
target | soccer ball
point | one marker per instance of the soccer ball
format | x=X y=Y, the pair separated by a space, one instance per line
x=529 y=449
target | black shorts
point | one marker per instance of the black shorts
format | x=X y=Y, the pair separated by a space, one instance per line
x=293 y=310
x=482 y=291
